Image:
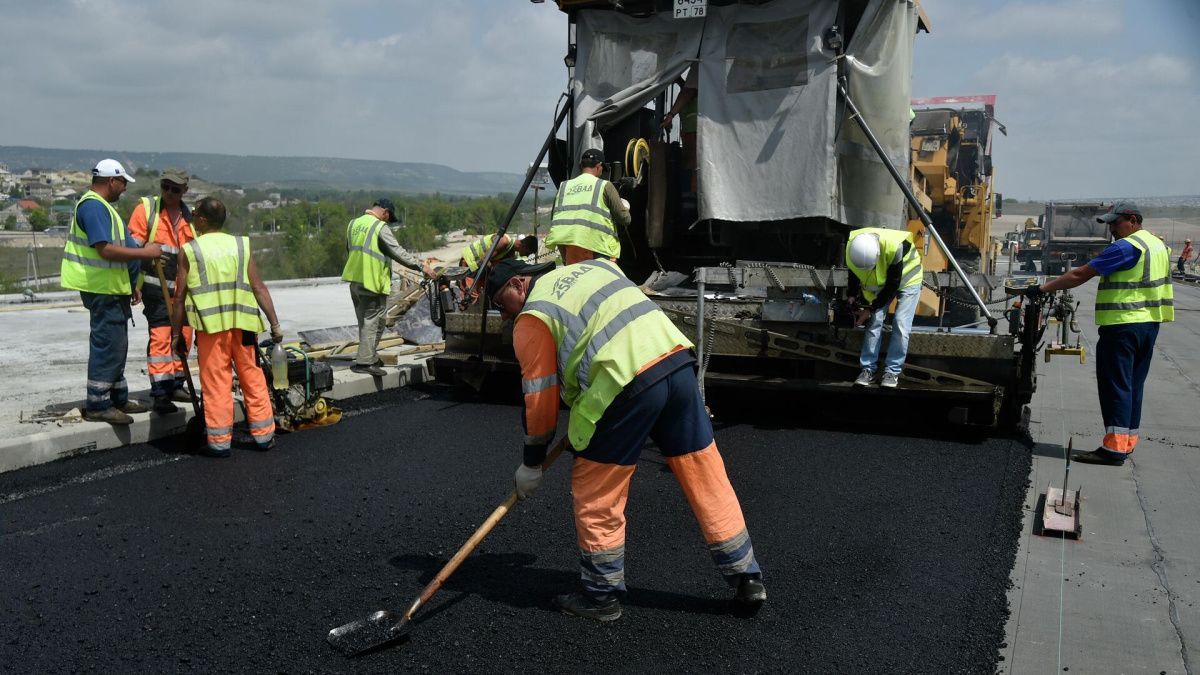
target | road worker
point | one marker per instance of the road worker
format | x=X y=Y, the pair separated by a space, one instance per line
x=218 y=287
x=1135 y=296
x=587 y=212
x=885 y=265
x=371 y=246
x=509 y=247
x=167 y=221
x=627 y=374
x=97 y=262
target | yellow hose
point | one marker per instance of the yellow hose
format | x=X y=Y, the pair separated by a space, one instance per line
x=637 y=151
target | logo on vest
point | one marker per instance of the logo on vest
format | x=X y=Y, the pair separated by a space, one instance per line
x=576 y=189
x=565 y=283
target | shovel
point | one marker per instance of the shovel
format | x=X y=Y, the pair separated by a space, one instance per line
x=195 y=427
x=385 y=626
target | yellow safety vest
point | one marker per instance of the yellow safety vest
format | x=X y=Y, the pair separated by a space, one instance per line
x=581 y=217
x=475 y=252
x=1142 y=293
x=605 y=330
x=82 y=268
x=891 y=247
x=366 y=264
x=219 y=294
x=152 y=206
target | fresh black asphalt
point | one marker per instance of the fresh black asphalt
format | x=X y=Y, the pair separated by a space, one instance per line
x=882 y=553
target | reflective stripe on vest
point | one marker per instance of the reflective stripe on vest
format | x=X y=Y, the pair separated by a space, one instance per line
x=605 y=330
x=1142 y=293
x=220 y=297
x=366 y=264
x=891 y=247
x=152 y=208
x=581 y=217
x=475 y=252
x=83 y=268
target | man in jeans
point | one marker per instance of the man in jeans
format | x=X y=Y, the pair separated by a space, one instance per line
x=884 y=266
x=96 y=263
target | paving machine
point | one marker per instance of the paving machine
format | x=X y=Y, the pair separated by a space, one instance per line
x=802 y=136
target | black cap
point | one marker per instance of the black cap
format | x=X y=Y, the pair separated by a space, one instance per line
x=508 y=268
x=592 y=157
x=1120 y=209
x=385 y=203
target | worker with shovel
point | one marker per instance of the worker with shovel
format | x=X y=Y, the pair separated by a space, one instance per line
x=220 y=286
x=586 y=332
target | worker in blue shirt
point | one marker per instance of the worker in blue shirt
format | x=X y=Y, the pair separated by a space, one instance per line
x=99 y=261
x=1134 y=297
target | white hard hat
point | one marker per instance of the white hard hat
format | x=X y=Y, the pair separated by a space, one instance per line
x=111 y=168
x=864 y=250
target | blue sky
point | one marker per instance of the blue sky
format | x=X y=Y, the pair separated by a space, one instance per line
x=1099 y=96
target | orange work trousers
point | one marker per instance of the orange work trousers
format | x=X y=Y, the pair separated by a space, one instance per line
x=161 y=362
x=220 y=354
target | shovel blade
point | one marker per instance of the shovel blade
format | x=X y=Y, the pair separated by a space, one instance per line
x=369 y=633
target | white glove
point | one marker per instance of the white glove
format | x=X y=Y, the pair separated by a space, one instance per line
x=625 y=203
x=526 y=480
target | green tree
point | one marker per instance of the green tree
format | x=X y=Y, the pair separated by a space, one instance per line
x=10 y=222
x=38 y=220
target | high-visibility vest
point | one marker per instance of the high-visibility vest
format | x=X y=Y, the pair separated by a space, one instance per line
x=366 y=264
x=605 y=330
x=152 y=208
x=1142 y=293
x=474 y=253
x=581 y=217
x=82 y=267
x=220 y=297
x=891 y=248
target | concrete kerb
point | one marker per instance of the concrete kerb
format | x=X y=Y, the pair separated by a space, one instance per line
x=51 y=443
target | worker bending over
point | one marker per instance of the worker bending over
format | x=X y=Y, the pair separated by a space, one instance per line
x=477 y=250
x=371 y=247
x=1135 y=296
x=219 y=288
x=587 y=333
x=587 y=211
x=885 y=266
x=96 y=262
x=165 y=220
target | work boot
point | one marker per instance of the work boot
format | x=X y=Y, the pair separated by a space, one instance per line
x=131 y=406
x=163 y=406
x=890 y=380
x=865 y=378
x=599 y=608
x=180 y=394
x=263 y=447
x=110 y=415
x=751 y=593
x=209 y=451
x=373 y=370
x=1100 y=456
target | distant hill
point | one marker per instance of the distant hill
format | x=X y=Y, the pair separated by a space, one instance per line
x=278 y=172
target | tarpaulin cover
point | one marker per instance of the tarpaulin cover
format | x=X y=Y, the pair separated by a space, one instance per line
x=772 y=144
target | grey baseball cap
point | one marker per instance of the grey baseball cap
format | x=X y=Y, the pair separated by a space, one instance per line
x=1120 y=209
x=174 y=175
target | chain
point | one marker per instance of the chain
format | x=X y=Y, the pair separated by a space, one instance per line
x=945 y=295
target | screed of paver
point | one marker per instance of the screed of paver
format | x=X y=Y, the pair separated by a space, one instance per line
x=882 y=553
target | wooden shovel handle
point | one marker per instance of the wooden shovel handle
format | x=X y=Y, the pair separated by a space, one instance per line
x=434 y=586
x=162 y=280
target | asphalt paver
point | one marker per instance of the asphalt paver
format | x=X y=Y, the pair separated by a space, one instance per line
x=881 y=552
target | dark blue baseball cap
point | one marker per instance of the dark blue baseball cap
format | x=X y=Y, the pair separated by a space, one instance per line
x=385 y=203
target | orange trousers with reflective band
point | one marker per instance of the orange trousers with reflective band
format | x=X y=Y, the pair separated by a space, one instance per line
x=221 y=354
x=161 y=361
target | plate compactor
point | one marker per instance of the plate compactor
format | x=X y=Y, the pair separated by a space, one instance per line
x=297 y=398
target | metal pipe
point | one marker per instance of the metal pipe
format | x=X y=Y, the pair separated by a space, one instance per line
x=912 y=201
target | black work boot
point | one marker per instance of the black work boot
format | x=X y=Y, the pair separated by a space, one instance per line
x=751 y=593
x=163 y=406
x=599 y=608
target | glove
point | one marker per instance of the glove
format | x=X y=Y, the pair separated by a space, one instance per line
x=527 y=479
x=1034 y=292
x=625 y=203
x=276 y=334
x=180 y=347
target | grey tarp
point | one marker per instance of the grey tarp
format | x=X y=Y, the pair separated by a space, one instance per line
x=879 y=73
x=768 y=124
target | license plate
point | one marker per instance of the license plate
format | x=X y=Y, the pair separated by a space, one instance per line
x=690 y=9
